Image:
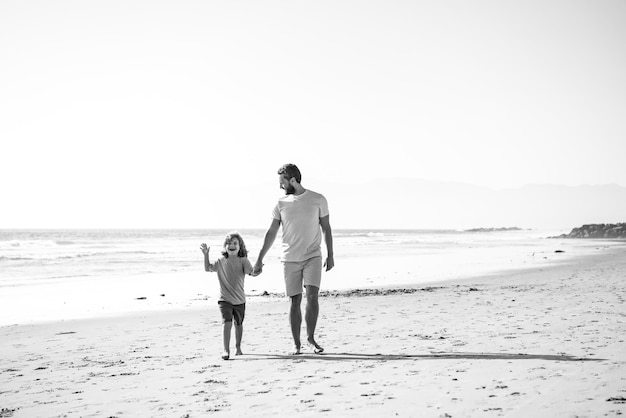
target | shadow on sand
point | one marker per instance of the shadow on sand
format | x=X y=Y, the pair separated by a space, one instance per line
x=431 y=356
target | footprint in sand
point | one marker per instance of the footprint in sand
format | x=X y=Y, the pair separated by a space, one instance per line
x=617 y=399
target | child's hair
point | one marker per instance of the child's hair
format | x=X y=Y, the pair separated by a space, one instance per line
x=242 y=245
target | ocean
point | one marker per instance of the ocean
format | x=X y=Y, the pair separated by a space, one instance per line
x=78 y=273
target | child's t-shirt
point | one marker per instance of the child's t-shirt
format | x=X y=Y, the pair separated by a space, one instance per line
x=231 y=273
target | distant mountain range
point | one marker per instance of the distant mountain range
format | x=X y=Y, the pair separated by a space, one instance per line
x=422 y=204
x=409 y=203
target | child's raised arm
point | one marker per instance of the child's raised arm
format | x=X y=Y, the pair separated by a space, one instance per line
x=207 y=264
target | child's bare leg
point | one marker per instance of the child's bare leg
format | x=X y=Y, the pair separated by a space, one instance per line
x=227 y=328
x=238 y=337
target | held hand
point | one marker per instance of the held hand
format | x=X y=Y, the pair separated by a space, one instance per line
x=258 y=268
x=329 y=263
x=204 y=248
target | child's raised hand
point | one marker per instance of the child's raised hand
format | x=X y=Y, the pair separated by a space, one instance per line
x=204 y=248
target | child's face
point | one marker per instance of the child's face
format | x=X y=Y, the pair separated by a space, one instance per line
x=232 y=247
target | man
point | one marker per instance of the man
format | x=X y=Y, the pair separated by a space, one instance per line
x=301 y=213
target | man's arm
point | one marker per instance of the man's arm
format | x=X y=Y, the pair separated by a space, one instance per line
x=270 y=236
x=328 y=238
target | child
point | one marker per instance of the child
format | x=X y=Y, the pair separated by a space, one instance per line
x=231 y=269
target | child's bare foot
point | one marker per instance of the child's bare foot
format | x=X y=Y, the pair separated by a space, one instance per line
x=225 y=355
x=317 y=349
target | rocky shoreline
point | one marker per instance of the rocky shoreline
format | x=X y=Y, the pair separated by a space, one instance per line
x=604 y=231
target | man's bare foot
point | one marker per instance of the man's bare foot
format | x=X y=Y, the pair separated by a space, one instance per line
x=295 y=351
x=239 y=352
x=225 y=355
x=317 y=349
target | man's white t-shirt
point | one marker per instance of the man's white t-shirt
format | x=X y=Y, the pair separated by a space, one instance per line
x=300 y=218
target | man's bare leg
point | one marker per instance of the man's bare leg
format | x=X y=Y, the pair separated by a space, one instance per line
x=295 y=320
x=310 y=316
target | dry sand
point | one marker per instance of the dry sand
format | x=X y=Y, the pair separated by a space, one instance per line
x=542 y=343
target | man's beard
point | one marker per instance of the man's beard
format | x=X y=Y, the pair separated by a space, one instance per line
x=290 y=189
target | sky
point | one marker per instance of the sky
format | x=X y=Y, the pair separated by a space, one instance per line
x=144 y=113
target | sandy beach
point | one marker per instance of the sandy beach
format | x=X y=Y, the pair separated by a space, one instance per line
x=543 y=342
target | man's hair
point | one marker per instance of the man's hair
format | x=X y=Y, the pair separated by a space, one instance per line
x=243 y=252
x=290 y=170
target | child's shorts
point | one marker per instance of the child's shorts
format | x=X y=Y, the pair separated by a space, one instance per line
x=297 y=274
x=230 y=312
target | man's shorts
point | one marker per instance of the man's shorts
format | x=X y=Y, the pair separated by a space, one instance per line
x=230 y=311
x=299 y=273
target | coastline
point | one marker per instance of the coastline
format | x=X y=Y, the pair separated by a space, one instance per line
x=538 y=342
x=379 y=261
x=71 y=274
